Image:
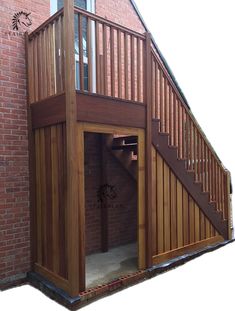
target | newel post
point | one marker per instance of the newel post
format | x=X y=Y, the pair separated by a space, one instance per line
x=75 y=277
x=148 y=147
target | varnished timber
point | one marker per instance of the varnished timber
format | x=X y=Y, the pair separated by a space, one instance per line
x=48 y=112
x=229 y=204
x=148 y=146
x=32 y=166
x=108 y=110
x=76 y=271
x=186 y=249
x=54 y=278
x=178 y=167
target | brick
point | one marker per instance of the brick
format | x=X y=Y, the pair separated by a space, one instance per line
x=14 y=195
x=14 y=183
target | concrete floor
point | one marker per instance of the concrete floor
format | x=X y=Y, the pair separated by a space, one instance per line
x=102 y=268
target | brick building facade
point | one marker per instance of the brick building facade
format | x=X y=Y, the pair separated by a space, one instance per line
x=14 y=176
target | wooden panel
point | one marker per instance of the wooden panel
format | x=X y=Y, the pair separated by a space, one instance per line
x=50 y=192
x=45 y=53
x=154 y=202
x=177 y=220
x=55 y=199
x=173 y=199
x=166 y=207
x=105 y=110
x=186 y=217
x=160 y=211
x=48 y=112
x=186 y=249
x=191 y=220
x=179 y=215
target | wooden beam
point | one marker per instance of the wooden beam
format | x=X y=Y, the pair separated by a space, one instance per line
x=49 y=111
x=148 y=148
x=51 y=276
x=76 y=273
x=108 y=110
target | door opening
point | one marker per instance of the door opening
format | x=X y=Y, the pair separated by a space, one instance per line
x=111 y=206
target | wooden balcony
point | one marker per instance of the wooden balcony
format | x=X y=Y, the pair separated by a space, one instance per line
x=83 y=68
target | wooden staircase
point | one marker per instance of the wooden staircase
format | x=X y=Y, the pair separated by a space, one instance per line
x=124 y=149
x=188 y=178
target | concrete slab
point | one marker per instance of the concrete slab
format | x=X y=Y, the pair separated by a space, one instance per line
x=102 y=268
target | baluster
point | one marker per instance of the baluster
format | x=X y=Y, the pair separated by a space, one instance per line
x=126 y=65
x=99 y=77
x=119 y=50
x=139 y=70
x=153 y=86
x=162 y=123
x=132 y=67
x=105 y=47
x=89 y=55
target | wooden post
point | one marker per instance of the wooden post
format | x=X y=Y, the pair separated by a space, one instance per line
x=229 y=205
x=104 y=203
x=148 y=149
x=76 y=271
x=33 y=224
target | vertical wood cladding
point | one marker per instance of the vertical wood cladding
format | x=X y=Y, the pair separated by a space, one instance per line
x=177 y=220
x=50 y=175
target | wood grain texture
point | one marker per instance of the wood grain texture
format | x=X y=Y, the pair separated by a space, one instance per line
x=50 y=199
x=45 y=55
x=186 y=249
x=177 y=220
x=76 y=272
x=107 y=110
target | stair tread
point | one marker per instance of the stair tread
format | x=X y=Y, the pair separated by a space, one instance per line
x=127 y=139
x=131 y=147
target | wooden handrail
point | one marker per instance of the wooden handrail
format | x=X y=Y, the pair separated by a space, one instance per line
x=107 y=22
x=50 y=20
x=187 y=109
x=177 y=120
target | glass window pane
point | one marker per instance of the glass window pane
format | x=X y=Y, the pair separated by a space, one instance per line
x=80 y=3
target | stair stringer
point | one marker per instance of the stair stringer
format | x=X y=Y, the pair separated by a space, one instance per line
x=124 y=158
x=178 y=224
x=169 y=154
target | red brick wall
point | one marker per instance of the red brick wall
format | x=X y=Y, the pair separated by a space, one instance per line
x=121 y=12
x=14 y=194
x=122 y=211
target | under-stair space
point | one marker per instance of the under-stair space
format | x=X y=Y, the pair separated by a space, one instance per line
x=110 y=207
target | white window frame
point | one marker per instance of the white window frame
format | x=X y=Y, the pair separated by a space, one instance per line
x=90 y=8
x=54 y=6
